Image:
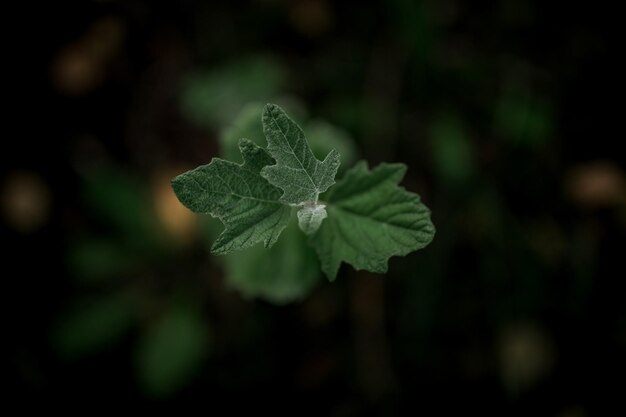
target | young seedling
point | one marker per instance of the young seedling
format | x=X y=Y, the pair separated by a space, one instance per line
x=365 y=218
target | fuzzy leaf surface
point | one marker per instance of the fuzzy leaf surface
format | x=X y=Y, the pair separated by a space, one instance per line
x=370 y=219
x=297 y=171
x=239 y=196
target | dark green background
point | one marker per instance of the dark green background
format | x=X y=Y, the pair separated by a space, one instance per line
x=508 y=114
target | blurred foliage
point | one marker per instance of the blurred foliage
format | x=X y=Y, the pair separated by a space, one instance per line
x=94 y=324
x=121 y=202
x=452 y=151
x=524 y=121
x=246 y=124
x=323 y=137
x=505 y=114
x=171 y=348
x=284 y=273
x=171 y=351
x=94 y=259
x=211 y=97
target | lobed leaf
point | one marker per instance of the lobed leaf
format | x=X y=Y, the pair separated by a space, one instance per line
x=370 y=219
x=239 y=196
x=300 y=175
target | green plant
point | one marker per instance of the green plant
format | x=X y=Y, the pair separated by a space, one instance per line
x=363 y=219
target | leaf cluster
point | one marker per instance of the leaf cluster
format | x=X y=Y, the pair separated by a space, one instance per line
x=363 y=219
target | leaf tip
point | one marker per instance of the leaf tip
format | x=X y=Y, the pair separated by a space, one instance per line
x=330 y=268
x=174 y=182
x=177 y=183
x=246 y=146
x=219 y=248
x=333 y=157
x=243 y=142
x=266 y=171
x=331 y=275
x=269 y=107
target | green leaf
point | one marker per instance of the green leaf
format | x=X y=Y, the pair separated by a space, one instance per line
x=171 y=352
x=286 y=272
x=300 y=175
x=370 y=219
x=322 y=136
x=239 y=196
x=247 y=124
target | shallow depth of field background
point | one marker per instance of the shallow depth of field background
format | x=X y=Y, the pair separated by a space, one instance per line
x=504 y=111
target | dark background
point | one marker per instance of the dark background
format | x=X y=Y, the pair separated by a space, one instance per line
x=508 y=114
